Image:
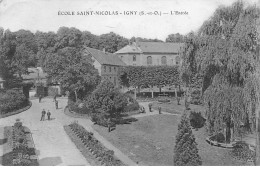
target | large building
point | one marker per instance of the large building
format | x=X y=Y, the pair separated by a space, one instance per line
x=151 y=53
x=108 y=64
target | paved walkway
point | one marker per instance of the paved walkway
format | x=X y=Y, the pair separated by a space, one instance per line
x=53 y=146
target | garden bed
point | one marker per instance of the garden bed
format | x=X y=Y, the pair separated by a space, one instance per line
x=90 y=147
x=218 y=144
x=19 y=149
x=16 y=111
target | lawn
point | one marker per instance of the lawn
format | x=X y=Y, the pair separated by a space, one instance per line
x=173 y=107
x=151 y=140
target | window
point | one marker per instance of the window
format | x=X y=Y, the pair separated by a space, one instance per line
x=149 y=60
x=109 y=68
x=178 y=60
x=115 y=69
x=163 y=60
x=134 y=58
x=104 y=68
x=122 y=57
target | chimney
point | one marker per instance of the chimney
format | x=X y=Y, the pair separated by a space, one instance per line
x=104 y=50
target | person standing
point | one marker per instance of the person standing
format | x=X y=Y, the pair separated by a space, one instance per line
x=54 y=98
x=49 y=115
x=150 y=107
x=56 y=104
x=160 y=110
x=40 y=98
x=43 y=115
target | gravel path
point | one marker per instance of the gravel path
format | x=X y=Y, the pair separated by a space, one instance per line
x=53 y=146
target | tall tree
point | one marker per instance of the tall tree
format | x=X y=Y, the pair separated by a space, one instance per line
x=74 y=70
x=26 y=49
x=225 y=53
x=185 y=150
x=68 y=37
x=175 y=38
x=112 y=42
x=90 y=40
x=45 y=43
x=106 y=102
x=8 y=46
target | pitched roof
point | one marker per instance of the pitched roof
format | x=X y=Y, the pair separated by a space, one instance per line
x=105 y=57
x=152 y=47
x=130 y=49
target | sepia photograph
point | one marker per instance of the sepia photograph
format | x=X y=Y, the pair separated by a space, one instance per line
x=129 y=83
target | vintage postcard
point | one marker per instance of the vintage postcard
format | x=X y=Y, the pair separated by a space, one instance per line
x=129 y=83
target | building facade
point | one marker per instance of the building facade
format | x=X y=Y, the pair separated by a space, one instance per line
x=151 y=54
x=107 y=64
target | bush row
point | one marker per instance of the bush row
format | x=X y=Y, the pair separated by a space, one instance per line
x=12 y=100
x=82 y=108
x=103 y=155
x=23 y=153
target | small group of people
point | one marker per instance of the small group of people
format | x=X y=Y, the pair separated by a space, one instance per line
x=48 y=112
x=44 y=113
x=142 y=109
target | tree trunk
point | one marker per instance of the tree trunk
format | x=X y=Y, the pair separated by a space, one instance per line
x=228 y=131
x=257 y=159
x=152 y=91
x=76 y=95
x=135 y=93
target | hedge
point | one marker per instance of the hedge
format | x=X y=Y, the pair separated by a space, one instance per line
x=12 y=100
x=21 y=146
x=102 y=155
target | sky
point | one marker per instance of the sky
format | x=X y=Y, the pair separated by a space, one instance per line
x=43 y=15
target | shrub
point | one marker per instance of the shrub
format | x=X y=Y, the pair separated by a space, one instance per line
x=132 y=105
x=96 y=148
x=242 y=151
x=78 y=107
x=185 y=150
x=20 y=150
x=196 y=119
x=106 y=102
x=196 y=97
x=12 y=100
x=219 y=137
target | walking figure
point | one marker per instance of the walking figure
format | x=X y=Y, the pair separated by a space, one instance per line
x=160 y=110
x=54 y=98
x=43 y=115
x=109 y=125
x=40 y=98
x=49 y=115
x=56 y=104
x=150 y=107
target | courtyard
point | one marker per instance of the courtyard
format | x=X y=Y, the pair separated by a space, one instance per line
x=151 y=140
